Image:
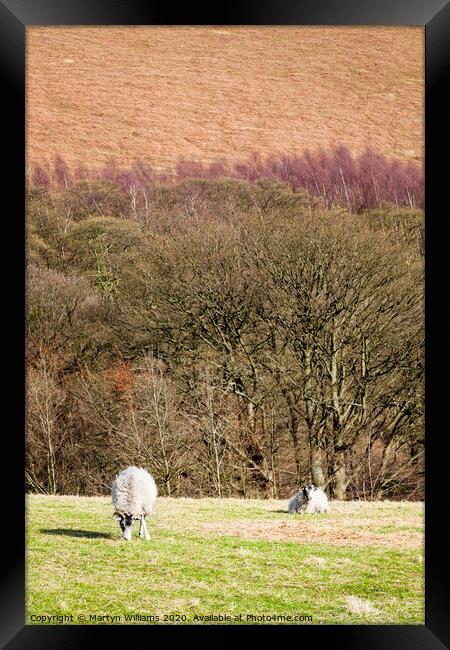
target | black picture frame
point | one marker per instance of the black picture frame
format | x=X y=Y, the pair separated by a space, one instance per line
x=434 y=16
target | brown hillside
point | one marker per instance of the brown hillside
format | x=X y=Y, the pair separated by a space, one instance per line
x=204 y=92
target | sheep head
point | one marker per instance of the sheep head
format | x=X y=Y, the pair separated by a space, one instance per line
x=125 y=520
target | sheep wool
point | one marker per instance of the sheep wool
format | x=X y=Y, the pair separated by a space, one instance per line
x=309 y=499
x=133 y=495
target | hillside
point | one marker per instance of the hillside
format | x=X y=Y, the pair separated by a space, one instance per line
x=160 y=93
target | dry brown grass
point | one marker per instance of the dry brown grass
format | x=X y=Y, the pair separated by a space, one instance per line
x=349 y=524
x=316 y=531
x=359 y=606
x=202 y=92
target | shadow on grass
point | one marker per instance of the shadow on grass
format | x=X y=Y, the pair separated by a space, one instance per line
x=72 y=532
x=285 y=512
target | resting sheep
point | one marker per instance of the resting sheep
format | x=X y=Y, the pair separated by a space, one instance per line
x=309 y=499
x=133 y=494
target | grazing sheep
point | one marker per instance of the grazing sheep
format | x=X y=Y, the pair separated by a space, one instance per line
x=133 y=494
x=309 y=499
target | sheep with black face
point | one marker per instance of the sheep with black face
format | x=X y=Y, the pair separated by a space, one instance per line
x=308 y=499
x=133 y=494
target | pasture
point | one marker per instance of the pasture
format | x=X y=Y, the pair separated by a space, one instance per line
x=360 y=563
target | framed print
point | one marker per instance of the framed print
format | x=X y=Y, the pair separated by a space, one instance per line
x=234 y=361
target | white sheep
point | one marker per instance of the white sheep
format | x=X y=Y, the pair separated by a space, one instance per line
x=133 y=494
x=309 y=499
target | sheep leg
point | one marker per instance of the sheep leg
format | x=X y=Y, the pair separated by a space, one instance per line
x=141 y=527
x=147 y=535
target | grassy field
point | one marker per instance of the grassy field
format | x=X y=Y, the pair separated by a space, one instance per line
x=204 y=92
x=360 y=563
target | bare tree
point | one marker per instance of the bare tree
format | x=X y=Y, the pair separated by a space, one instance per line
x=45 y=435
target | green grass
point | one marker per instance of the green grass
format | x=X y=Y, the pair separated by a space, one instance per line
x=225 y=557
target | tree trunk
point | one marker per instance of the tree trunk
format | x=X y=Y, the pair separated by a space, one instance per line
x=293 y=427
x=340 y=481
x=251 y=417
x=217 y=465
x=51 y=469
x=315 y=456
